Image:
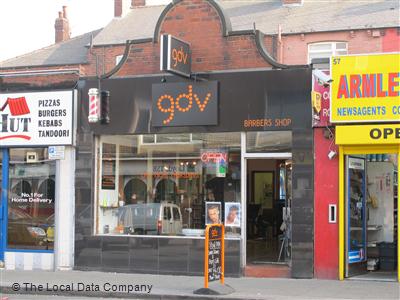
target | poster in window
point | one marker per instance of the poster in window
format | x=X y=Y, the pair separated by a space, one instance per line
x=213 y=213
x=108 y=167
x=232 y=214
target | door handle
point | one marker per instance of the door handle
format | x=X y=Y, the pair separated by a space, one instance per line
x=332 y=213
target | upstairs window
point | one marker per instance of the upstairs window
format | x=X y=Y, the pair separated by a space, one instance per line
x=326 y=50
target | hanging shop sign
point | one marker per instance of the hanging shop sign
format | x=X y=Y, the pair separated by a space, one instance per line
x=29 y=119
x=368 y=135
x=175 y=56
x=365 y=88
x=185 y=104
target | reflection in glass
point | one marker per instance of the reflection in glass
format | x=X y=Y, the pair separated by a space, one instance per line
x=162 y=182
x=135 y=191
x=31 y=201
x=356 y=210
x=269 y=141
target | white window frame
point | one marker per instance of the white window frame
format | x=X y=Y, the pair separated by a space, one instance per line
x=333 y=50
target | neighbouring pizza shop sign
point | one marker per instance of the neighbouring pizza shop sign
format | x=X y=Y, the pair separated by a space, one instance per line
x=365 y=88
x=39 y=118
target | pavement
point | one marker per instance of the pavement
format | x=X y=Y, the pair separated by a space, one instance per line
x=78 y=284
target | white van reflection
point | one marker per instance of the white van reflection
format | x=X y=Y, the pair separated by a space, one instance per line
x=163 y=218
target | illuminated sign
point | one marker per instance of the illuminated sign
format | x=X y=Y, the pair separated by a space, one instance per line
x=185 y=104
x=33 y=119
x=365 y=88
x=214 y=157
x=175 y=56
x=368 y=134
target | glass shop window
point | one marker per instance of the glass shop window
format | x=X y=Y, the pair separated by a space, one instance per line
x=31 y=200
x=269 y=141
x=165 y=184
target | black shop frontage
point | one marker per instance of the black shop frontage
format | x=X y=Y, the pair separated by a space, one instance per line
x=232 y=148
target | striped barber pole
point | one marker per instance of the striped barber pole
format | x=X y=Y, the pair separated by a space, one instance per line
x=94 y=103
x=17 y=106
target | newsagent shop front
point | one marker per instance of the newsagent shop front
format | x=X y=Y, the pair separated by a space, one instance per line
x=234 y=148
x=36 y=138
x=367 y=87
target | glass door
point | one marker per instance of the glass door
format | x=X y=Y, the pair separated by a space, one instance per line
x=356 y=225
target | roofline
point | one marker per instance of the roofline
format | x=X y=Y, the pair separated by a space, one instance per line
x=250 y=32
x=39 y=72
x=49 y=65
x=138 y=41
x=225 y=21
x=241 y=32
x=337 y=30
x=206 y=73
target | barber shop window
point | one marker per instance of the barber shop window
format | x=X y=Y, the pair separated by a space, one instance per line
x=165 y=184
x=31 y=200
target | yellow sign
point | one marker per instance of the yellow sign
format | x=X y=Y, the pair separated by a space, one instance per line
x=368 y=134
x=316 y=100
x=365 y=88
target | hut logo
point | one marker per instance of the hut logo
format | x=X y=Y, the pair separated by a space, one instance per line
x=16 y=123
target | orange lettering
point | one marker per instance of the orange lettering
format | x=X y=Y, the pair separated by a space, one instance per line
x=176 y=103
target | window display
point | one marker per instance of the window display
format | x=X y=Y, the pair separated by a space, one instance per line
x=232 y=214
x=31 y=200
x=213 y=211
x=160 y=184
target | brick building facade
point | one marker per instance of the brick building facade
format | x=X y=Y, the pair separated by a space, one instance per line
x=224 y=36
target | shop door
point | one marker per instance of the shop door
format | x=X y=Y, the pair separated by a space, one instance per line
x=356 y=225
x=268 y=236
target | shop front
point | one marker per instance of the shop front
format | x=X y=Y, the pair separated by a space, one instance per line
x=369 y=196
x=36 y=133
x=180 y=154
x=365 y=89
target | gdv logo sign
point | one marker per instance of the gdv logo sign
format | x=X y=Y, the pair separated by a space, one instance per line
x=179 y=56
x=182 y=103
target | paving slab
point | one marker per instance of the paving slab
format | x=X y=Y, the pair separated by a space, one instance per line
x=121 y=285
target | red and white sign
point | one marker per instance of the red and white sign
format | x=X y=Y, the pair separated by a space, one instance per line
x=213 y=156
x=321 y=117
x=34 y=119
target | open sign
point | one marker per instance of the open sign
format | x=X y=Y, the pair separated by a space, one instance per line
x=385 y=133
x=214 y=157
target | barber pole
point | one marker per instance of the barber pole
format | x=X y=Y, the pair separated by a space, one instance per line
x=94 y=106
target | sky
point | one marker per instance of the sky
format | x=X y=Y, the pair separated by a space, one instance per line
x=28 y=25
